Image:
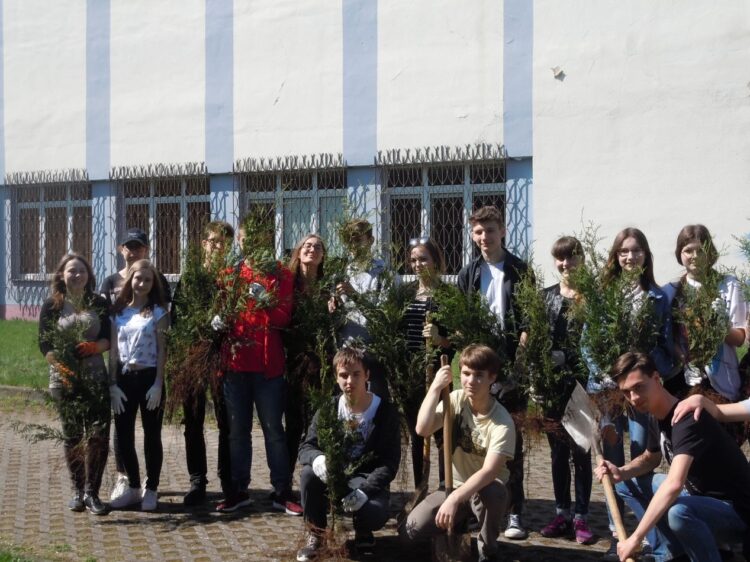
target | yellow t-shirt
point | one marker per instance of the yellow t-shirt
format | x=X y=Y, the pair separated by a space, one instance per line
x=474 y=437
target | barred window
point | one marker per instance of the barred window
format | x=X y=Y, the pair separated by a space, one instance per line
x=436 y=200
x=299 y=201
x=172 y=211
x=49 y=220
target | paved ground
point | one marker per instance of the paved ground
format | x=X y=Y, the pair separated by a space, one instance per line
x=34 y=488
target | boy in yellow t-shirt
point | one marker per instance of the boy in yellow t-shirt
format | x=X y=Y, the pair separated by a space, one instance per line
x=484 y=441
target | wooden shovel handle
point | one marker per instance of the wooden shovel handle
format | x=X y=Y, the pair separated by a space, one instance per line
x=447 y=431
x=610 y=495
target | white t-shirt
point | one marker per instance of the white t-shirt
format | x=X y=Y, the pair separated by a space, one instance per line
x=136 y=337
x=362 y=422
x=494 y=288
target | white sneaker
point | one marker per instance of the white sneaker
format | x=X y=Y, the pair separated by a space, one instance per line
x=515 y=529
x=121 y=485
x=130 y=496
x=150 y=500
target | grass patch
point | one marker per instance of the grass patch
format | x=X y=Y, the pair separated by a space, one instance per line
x=21 y=363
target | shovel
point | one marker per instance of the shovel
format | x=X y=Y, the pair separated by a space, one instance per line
x=581 y=421
x=421 y=491
x=451 y=545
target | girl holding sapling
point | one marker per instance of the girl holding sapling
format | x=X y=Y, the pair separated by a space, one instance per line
x=427 y=263
x=559 y=298
x=627 y=311
x=137 y=357
x=310 y=309
x=73 y=333
x=711 y=315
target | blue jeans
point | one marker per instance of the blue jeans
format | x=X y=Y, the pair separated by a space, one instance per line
x=692 y=526
x=241 y=391
x=638 y=429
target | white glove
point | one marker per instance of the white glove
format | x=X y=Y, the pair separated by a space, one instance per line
x=693 y=375
x=319 y=467
x=217 y=324
x=153 y=396
x=718 y=305
x=256 y=291
x=558 y=358
x=117 y=398
x=354 y=501
x=607 y=382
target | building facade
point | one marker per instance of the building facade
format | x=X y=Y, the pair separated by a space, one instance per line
x=164 y=115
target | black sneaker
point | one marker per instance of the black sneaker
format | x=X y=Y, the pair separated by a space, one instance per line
x=76 y=502
x=233 y=502
x=611 y=554
x=95 y=505
x=364 y=540
x=196 y=496
x=312 y=548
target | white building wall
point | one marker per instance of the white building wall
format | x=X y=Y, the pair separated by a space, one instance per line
x=44 y=56
x=649 y=126
x=440 y=70
x=158 y=81
x=288 y=77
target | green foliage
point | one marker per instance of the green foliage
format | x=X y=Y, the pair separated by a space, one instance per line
x=701 y=314
x=21 y=364
x=616 y=316
x=744 y=243
x=541 y=380
x=258 y=244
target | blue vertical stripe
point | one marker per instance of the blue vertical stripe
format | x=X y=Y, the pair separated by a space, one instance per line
x=98 y=86
x=360 y=68
x=518 y=43
x=219 y=86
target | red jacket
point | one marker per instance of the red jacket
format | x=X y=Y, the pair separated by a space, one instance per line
x=254 y=341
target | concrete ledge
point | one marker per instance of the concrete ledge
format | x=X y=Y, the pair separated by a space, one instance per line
x=23 y=392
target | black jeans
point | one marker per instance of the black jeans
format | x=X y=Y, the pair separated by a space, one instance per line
x=195 y=442
x=561 y=448
x=135 y=384
x=516 y=403
x=85 y=428
x=370 y=517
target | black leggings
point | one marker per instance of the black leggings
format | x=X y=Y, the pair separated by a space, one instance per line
x=135 y=384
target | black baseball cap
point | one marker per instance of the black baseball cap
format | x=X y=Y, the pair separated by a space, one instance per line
x=135 y=235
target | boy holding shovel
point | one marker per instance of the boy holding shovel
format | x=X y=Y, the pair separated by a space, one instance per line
x=483 y=441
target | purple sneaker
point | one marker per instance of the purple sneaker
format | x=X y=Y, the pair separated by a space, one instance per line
x=583 y=533
x=559 y=527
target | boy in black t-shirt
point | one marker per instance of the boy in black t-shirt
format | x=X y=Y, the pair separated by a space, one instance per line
x=704 y=499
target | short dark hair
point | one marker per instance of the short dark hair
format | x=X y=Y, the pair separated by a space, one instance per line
x=488 y=213
x=348 y=355
x=481 y=358
x=567 y=247
x=633 y=361
x=355 y=228
x=221 y=228
x=696 y=233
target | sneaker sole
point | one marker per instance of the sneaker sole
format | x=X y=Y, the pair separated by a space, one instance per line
x=516 y=536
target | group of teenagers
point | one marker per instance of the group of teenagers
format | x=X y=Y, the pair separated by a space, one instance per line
x=700 y=506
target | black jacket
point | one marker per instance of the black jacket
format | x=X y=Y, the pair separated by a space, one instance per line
x=469 y=281
x=384 y=442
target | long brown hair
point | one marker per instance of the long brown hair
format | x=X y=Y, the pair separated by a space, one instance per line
x=295 y=262
x=612 y=269
x=155 y=295
x=432 y=249
x=57 y=288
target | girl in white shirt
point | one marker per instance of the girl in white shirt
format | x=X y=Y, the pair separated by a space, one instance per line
x=137 y=358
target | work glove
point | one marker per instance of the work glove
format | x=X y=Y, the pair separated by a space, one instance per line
x=153 y=396
x=117 y=398
x=558 y=358
x=86 y=349
x=354 y=501
x=217 y=324
x=319 y=467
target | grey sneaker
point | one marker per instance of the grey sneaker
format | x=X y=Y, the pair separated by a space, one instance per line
x=313 y=546
x=515 y=529
x=76 y=502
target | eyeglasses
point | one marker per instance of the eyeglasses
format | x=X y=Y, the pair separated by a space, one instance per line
x=318 y=247
x=418 y=241
x=624 y=253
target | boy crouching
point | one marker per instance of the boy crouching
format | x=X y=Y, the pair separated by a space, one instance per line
x=483 y=442
x=377 y=447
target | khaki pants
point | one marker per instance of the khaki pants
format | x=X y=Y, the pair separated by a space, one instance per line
x=488 y=505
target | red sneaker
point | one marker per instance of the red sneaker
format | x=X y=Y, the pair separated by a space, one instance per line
x=233 y=502
x=286 y=503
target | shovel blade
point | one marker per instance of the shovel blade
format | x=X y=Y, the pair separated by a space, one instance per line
x=580 y=418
